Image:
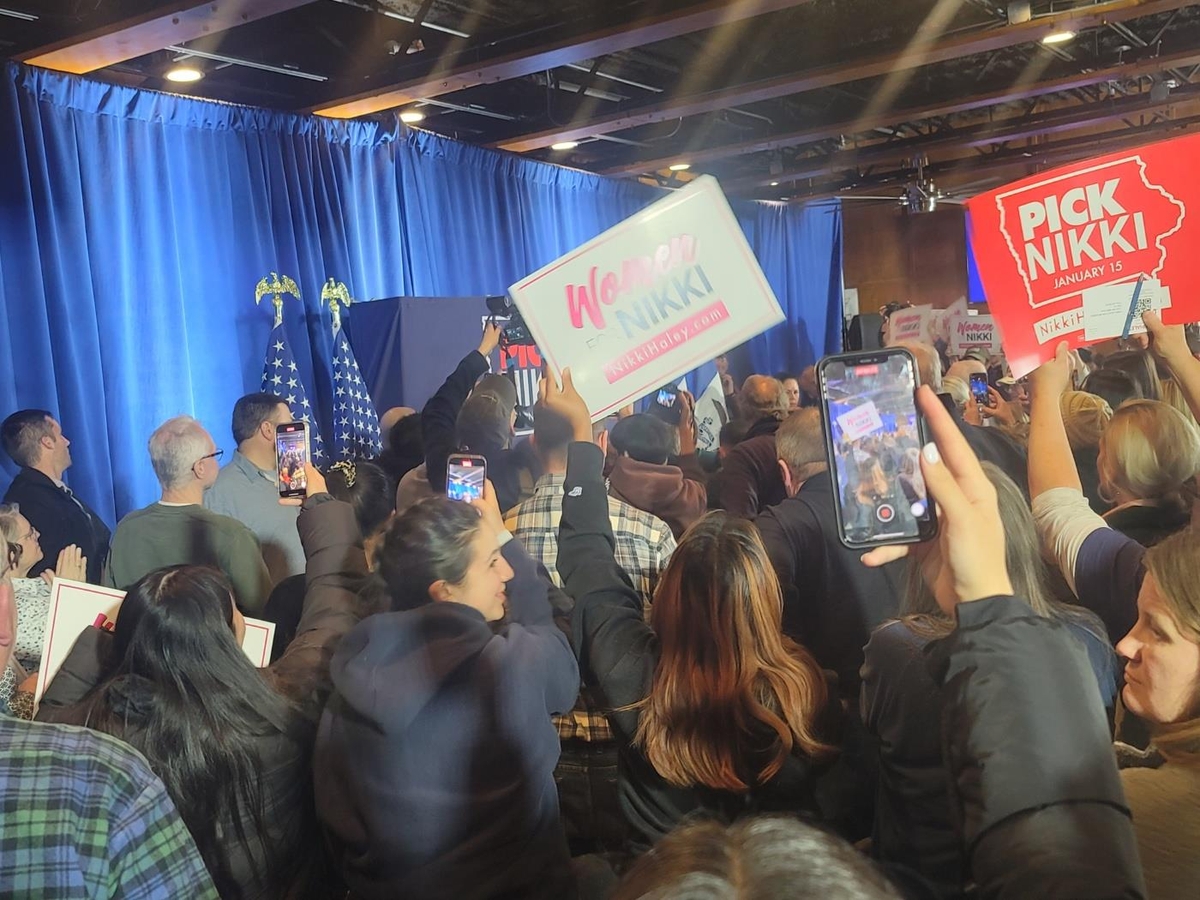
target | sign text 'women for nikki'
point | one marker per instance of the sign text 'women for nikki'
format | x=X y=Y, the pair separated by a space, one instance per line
x=647 y=293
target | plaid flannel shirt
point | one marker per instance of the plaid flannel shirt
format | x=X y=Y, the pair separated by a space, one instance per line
x=82 y=816
x=644 y=544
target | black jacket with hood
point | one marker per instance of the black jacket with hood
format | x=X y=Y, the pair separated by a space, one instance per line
x=435 y=756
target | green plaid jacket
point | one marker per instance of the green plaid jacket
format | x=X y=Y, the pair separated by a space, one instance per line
x=82 y=816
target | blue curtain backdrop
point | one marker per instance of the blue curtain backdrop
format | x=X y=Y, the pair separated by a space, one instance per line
x=134 y=226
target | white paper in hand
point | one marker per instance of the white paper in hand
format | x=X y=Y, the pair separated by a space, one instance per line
x=75 y=606
x=1106 y=308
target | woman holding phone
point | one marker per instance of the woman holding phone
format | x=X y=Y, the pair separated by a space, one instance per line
x=1045 y=815
x=435 y=756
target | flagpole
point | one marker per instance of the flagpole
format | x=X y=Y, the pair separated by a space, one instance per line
x=281 y=374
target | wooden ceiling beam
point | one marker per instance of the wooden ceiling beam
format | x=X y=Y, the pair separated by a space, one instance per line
x=887 y=118
x=171 y=23
x=455 y=72
x=953 y=47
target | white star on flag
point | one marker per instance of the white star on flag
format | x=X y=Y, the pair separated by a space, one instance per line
x=297 y=396
x=359 y=432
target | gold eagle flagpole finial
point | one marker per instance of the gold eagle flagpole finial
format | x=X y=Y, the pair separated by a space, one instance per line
x=337 y=295
x=276 y=286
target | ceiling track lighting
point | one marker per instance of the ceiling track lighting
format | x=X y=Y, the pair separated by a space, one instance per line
x=185 y=52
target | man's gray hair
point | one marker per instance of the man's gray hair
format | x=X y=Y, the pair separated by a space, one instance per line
x=929 y=364
x=175 y=447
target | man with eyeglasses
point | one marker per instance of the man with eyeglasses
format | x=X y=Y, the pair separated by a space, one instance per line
x=35 y=442
x=178 y=529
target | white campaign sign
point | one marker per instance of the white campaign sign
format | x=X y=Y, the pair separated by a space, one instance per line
x=860 y=421
x=909 y=325
x=75 y=607
x=650 y=299
x=968 y=332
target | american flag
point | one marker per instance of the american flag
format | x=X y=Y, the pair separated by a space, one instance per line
x=281 y=376
x=355 y=423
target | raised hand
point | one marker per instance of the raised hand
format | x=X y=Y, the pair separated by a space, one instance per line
x=567 y=402
x=1052 y=379
x=316 y=485
x=1167 y=342
x=968 y=516
x=687 y=423
x=71 y=565
x=490 y=340
x=489 y=508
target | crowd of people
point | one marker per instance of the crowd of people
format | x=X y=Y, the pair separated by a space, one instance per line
x=634 y=668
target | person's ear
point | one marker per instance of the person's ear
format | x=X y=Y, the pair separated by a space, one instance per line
x=786 y=472
x=440 y=591
x=267 y=430
x=602 y=441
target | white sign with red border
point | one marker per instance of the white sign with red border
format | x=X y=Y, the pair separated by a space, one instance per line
x=652 y=298
x=75 y=607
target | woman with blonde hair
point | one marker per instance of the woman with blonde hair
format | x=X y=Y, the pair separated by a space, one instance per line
x=32 y=596
x=1085 y=416
x=716 y=710
x=1149 y=454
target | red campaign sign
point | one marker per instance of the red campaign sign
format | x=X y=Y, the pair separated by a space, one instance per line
x=1051 y=244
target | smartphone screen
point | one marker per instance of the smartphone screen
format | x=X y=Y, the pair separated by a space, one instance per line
x=666 y=406
x=291 y=455
x=465 y=475
x=979 y=388
x=874 y=439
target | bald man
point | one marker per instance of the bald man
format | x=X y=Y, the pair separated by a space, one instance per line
x=394 y=415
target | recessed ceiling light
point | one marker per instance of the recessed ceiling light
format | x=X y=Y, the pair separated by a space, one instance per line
x=774 y=184
x=184 y=74
x=1058 y=37
x=680 y=167
x=411 y=117
x=565 y=145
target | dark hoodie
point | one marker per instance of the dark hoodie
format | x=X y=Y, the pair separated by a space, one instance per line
x=676 y=494
x=435 y=757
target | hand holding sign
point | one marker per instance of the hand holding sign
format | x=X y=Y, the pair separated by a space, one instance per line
x=668 y=289
x=1060 y=253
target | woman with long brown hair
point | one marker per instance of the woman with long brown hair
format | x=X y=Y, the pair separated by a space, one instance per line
x=716 y=709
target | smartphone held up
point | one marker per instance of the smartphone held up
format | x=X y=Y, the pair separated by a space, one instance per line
x=465 y=476
x=874 y=437
x=291 y=456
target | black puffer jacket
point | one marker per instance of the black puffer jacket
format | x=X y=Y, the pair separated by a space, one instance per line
x=1034 y=783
